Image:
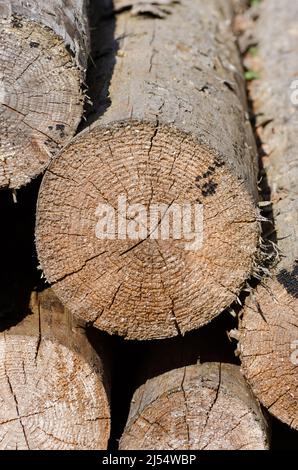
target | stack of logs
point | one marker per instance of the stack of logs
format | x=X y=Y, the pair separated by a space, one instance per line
x=168 y=126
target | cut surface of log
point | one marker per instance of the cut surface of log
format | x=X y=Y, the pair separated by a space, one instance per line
x=52 y=387
x=41 y=73
x=269 y=327
x=206 y=406
x=67 y=19
x=176 y=133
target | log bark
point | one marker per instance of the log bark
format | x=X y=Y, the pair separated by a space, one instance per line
x=269 y=327
x=53 y=388
x=176 y=132
x=206 y=406
x=43 y=55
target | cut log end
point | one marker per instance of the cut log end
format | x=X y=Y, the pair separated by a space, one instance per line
x=50 y=398
x=198 y=407
x=269 y=346
x=40 y=99
x=155 y=285
x=53 y=386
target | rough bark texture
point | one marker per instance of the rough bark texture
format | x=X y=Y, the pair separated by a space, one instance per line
x=176 y=132
x=198 y=407
x=269 y=328
x=43 y=54
x=52 y=387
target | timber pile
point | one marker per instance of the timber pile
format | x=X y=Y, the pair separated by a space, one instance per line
x=53 y=388
x=43 y=50
x=269 y=327
x=168 y=125
x=177 y=131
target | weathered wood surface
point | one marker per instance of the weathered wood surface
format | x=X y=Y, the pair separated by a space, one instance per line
x=207 y=406
x=176 y=132
x=68 y=19
x=53 y=388
x=269 y=327
x=44 y=49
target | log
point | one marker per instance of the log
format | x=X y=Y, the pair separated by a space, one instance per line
x=53 y=389
x=44 y=48
x=176 y=132
x=198 y=407
x=269 y=327
x=135 y=362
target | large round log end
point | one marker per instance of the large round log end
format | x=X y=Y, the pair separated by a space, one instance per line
x=152 y=278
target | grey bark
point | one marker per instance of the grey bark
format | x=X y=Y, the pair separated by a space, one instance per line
x=189 y=78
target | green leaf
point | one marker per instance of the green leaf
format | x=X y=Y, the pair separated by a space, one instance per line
x=253 y=51
x=251 y=75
